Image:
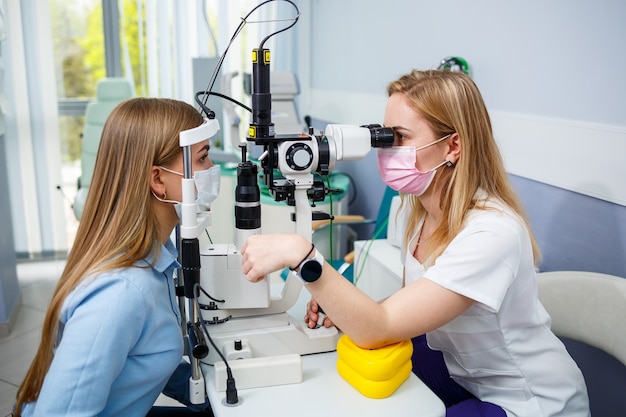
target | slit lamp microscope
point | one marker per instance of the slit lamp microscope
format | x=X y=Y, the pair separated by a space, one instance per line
x=245 y=322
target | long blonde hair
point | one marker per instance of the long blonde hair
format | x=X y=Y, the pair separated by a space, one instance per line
x=118 y=226
x=451 y=102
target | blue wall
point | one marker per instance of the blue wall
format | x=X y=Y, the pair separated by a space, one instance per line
x=575 y=232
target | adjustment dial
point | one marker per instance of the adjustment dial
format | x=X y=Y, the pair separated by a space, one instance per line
x=299 y=156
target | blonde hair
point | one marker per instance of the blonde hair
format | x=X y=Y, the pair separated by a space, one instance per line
x=118 y=226
x=451 y=102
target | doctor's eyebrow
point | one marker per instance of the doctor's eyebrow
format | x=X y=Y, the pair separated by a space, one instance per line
x=400 y=128
x=397 y=128
x=401 y=131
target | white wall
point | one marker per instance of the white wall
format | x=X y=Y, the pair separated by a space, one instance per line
x=551 y=73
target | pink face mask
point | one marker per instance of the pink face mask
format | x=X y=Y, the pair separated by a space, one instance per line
x=396 y=166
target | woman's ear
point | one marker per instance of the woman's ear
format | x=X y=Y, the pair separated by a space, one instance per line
x=454 y=148
x=156 y=181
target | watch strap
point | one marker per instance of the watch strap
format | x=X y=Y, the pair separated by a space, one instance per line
x=318 y=259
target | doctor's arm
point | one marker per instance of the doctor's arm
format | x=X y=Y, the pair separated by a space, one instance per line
x=414 y=310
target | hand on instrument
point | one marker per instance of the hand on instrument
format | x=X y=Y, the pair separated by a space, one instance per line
x=315 y=316
x=264 y=254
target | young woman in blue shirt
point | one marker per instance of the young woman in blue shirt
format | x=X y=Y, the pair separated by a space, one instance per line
x=111 y=338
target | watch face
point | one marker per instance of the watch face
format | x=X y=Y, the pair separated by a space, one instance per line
x=311 y=270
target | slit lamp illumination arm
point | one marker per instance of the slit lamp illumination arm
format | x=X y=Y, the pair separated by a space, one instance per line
x=191 y=225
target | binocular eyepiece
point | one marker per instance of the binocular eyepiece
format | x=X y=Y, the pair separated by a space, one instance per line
x=381 y=137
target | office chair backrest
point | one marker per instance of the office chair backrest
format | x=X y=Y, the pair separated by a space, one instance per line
x=109 y=93
x=587 y=306
x=589 y=315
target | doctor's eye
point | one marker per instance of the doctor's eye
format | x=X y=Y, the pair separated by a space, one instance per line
x=399 y=136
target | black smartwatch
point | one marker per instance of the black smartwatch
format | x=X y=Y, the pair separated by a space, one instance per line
x=310 y=269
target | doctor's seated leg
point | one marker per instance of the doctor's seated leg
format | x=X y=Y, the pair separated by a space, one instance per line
x=430 y=367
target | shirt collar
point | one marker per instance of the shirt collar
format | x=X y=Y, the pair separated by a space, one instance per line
x=166 y=260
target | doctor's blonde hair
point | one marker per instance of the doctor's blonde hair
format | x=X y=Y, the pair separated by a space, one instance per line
x=451 y=102
x=118 y=226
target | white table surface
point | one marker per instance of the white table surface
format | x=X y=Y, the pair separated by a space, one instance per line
x=323 y=392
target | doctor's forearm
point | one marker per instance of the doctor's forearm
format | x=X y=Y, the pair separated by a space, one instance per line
x=351 y=310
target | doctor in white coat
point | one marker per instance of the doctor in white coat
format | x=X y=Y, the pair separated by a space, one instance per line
x=482 y=340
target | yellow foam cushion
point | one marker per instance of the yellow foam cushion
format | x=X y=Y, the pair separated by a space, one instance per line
x=375 y=373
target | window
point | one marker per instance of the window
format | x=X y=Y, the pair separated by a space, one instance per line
x=81 y=42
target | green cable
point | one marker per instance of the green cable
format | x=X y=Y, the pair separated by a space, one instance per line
x=330 y=199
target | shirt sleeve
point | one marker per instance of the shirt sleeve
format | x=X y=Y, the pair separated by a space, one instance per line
x=481 y=262
x=104 y=320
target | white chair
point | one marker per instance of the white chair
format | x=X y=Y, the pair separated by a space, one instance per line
x=109 y=93
x=590 y=308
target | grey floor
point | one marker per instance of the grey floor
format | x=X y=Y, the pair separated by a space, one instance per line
x=37 y=281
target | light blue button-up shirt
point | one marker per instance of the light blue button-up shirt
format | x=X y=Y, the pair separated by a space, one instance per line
x=120 y=342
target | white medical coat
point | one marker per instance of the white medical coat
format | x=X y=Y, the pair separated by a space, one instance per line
x=501 y=349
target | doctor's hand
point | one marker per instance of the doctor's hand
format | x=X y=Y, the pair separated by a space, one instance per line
x=264 y=254
x=315 y=316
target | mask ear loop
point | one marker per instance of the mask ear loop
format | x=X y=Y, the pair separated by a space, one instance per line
x=164 y=199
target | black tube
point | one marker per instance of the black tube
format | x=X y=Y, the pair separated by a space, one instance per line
x=197 y=344
x=190 y=262
x=247 y=195
x=261 y=128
